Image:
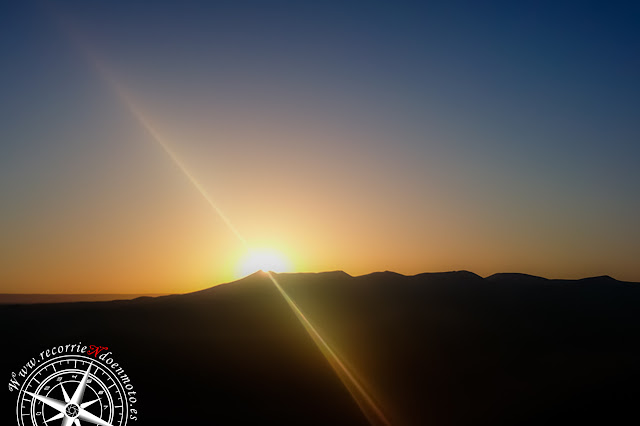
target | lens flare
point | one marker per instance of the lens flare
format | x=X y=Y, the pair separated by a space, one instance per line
x=155 y=136
x=363 y=399
x=264 y=260
x=368 y=406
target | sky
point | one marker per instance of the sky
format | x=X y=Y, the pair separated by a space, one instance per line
x=359 y=136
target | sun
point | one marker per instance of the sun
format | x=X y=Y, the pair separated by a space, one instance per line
x=265 y=260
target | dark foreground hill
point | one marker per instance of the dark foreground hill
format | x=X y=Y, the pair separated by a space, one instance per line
x=18 y=299
x=432 y=349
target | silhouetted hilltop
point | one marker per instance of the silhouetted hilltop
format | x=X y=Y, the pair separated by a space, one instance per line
x=601 y=279
x=516 y=278
x=448 y=348
x=12 y=299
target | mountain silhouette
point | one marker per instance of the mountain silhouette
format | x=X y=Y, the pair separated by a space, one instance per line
x=13 y=299
x=447 y=348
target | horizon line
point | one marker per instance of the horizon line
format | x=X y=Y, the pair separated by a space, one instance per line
x=154 y=294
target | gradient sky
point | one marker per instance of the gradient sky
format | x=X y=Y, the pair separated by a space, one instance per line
x=362 y=136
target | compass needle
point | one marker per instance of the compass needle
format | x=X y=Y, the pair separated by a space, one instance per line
x=85 y=415
x=56 y=417
x=86 y=404
x=53 y=403
x=66 y=395
x=79 y=393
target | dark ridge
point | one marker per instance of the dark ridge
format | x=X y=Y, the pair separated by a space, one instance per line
x=326 y=274
x=601 y=278
x=24 y=299
x=451 y=275
x=381 y=274
x=255 y=278
x=515 y=278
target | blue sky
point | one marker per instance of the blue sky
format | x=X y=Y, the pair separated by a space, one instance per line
x=411 y=136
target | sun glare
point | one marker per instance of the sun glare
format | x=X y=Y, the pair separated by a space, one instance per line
x=266 y=260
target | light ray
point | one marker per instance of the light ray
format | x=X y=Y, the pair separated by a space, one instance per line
x=157 y=137
x=361 y=396
x=368 y=406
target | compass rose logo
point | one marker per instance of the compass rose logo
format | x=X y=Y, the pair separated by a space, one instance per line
x=73 y=390
x=71 y=410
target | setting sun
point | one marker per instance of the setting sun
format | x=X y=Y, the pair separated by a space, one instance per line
x=263 y=259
